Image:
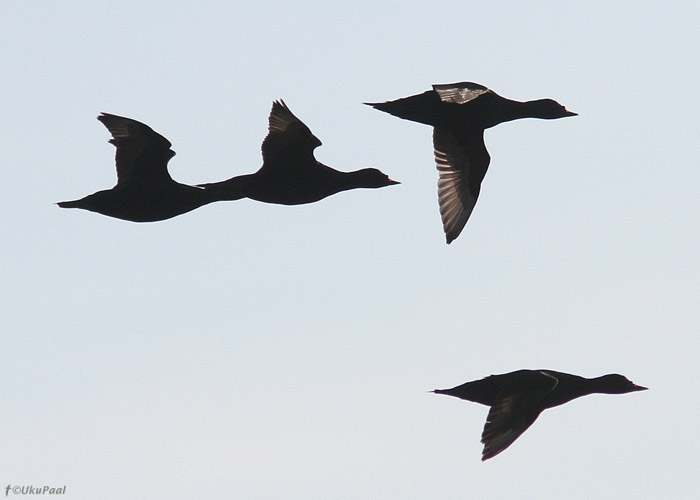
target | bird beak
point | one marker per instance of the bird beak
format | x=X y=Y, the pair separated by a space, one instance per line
x=393 y=182
x=640 y=388
x=569 y=113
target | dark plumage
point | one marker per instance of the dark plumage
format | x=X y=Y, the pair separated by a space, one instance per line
x=145 y=192
x=290 y=175
x=459 y=113
x=516 y=400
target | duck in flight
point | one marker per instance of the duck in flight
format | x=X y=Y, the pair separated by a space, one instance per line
x=459 y=113
x=290 y=174
x=145 y=192
x=517 y=398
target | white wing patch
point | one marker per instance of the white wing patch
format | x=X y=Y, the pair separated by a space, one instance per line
x=459 y=93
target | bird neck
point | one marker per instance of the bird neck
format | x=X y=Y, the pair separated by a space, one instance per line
x=572 y=387
x=509 y=110
x=568 y=387
x=229 y=190
x=351 y=180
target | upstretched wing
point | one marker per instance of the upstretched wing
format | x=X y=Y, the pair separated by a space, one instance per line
x=142 y=153
x=289 y=141
x=513 y=414
x=462 y=164
x=459 y=93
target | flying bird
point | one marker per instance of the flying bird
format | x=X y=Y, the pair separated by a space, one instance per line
x=459 y=113
x=517 y=398
x=145 y=192
x=290 y=174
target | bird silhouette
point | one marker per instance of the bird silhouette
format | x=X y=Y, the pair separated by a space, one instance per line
x=459 y=113
x=145 y=192
x=517 y=399
x=290 y=174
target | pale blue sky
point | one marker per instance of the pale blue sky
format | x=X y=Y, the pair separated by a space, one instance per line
x=261 y=352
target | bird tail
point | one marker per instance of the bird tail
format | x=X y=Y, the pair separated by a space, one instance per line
x=69 y=204
x=421 y=108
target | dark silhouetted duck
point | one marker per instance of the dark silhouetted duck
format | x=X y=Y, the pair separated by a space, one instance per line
x=459 y=113
x=145 y=192
x=290 y=175
x=516 y=400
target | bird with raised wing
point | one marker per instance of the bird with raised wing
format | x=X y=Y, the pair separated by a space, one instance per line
x=145 y=192
x=290 y=174
x=459 y=113
x=517 y=399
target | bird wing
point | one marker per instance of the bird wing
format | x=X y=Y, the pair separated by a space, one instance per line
x=462 y=165
x=289 y=141
x=514 y=413
x=142 y=153
x=459 y=93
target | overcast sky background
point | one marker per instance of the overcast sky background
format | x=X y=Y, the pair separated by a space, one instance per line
x=256 y=351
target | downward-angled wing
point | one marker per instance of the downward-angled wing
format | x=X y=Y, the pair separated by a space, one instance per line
x=462 y=165
x=142 y=153
x=514 y=413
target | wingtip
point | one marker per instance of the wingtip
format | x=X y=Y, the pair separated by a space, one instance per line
x=278 y=106
x=488 y=454
x=452 y=234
